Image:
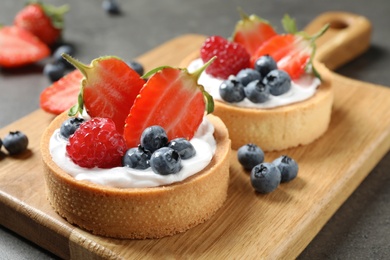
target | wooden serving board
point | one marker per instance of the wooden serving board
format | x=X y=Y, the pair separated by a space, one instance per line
x=250 y=225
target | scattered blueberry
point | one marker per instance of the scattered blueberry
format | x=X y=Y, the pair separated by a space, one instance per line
x=279 y=82
x=153 y=138
x=232 y=91
x=54 y=71
x=288 y=167
x=265 y=64
x=111 y=6
x=250 y=155
x=137 y=67
x=165 y=161
x=257 y=92
x=57 y=55
x=69 y=126
x=183 y=147
x=265 y=177
x=136 y=158
x=245 y=76
x=15 y=142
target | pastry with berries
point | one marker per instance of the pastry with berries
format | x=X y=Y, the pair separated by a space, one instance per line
x=133 y=158
x=266 y=86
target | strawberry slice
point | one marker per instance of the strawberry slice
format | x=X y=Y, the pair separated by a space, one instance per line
x=19 y=47
x=109 y=88
x=172 y=99
x=252 y=31
x=61 y=95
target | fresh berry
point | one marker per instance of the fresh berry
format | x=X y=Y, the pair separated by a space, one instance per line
x=111 y=6
x=288 y=167
x=62 y=94
x=19 y=47
x=231 y=57
x=172 y=99
x=54 y=71
x=184 y=147
x=249 y=156
x=265 y=64
x=109 y=88
x=265 y=177
x=137 y=67
x=96 y=143
x=57 y=55
x=252 y=31
x=153 y=138
x=278 y=81
x=257 y=92
x=69 y=126
x=15 y=142
x=232 y=91
x=248 y=75
x=165 y=161
x=43 y=20
x=137 y=158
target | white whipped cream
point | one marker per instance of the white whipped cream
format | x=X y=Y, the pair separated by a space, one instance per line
x=301 y=89
x=125 y=177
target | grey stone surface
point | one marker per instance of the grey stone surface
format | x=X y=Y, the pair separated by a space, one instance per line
x=360 y=229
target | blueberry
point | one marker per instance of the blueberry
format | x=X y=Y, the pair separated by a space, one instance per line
x=153 y=138
x=232 y=91
x=136 y=158
x=265 y=177
x=137 y=67
x=245 y=76
x=250 y=155
x=54 y=71
x=165 y=161
x=15 y=142
x=279 y=82
x=183 y=147
x=265 y=64
x=288 y=167
x=57 y=55
x=111 y=6
x=257 y=92
x=70 y=125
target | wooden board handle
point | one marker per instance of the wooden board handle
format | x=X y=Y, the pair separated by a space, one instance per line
x=347 y=37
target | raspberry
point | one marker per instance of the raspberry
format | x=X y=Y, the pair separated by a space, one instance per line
x=96 y=143
x=231 y=57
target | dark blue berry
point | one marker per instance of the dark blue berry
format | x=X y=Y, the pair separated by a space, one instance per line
x=165 y=161
x=70 y=125
x=245 y=76
x=288 y=167
x=265 y=64
x=153 y=138
x=54 y=71
x=249 y=156
x=231 y=91
x=257 y=92
x=137 y=67
x=111 y=6
x=136 y=158
x=15 y=142
x=265 y=177
x=279 y=82
x=181 y=145
x=57 y=55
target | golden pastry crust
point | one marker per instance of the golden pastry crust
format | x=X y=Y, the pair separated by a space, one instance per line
x=139 y=213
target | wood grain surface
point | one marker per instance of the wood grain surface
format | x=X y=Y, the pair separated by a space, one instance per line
x=250 y=225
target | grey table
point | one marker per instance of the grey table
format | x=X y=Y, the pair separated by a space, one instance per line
x=360 y=229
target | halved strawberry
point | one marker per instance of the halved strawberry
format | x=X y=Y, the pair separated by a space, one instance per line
x=252 y=31
x=19 y=47
x=172 y=99
x=62 y=94
x=109 y=88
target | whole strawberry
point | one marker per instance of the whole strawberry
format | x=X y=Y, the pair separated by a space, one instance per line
x=43 y=20
x=96 y=143
x=231 y=57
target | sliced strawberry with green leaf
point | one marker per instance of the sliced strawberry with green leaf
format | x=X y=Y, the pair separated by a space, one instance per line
x=172 y=99
x=252 y=31
x=62 y=94
x=108 y=89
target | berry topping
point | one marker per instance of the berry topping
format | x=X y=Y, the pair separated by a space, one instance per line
x=231 y=57
x=247 y=75
x=15 y=142
x=249 y=156
x=165 y=161
x=257 y=92
x=54 y=71
x=288 y=167
x=137 y=158
x=265 y=64
x=96 y=143
x=181 y=145
x=265 y=177
x=153 y=138
x=137 y=67
x=232 y=91
x=70 y=125
x=278 y=81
